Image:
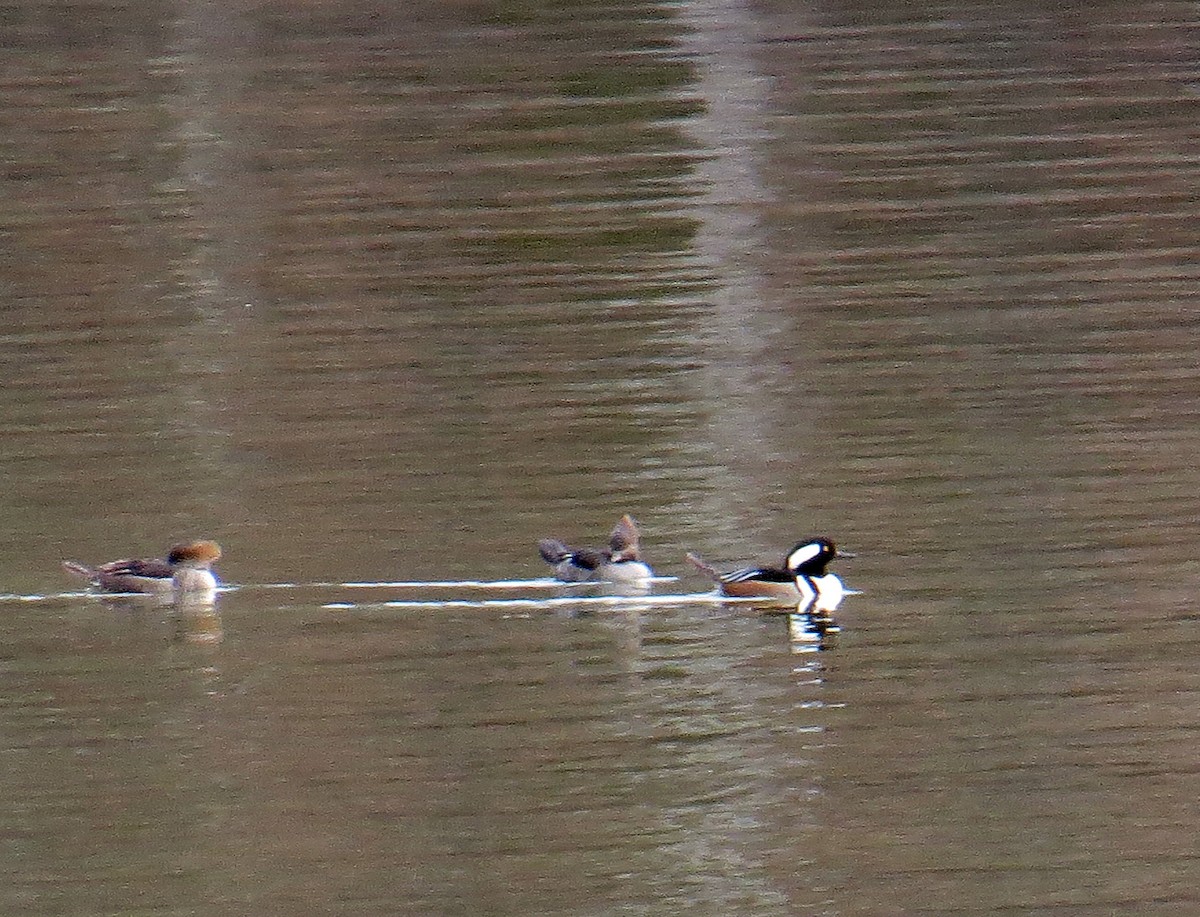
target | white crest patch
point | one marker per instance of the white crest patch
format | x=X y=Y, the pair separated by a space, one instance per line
x=803 y=555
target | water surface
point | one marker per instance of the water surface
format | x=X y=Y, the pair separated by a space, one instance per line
x=375 y=294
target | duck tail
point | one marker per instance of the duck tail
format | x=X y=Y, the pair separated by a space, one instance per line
x=553 y=551
x=72 y=566
x=707 y=569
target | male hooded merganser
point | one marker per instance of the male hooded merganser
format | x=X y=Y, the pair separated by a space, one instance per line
x=618 y=563
x=186 y=570
x=800 y=580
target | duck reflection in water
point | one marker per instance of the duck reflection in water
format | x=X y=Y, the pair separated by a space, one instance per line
x=197 y=623
x=810 y=630
x=620 y=564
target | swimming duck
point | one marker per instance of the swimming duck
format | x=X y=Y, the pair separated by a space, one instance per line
x=619 y=563
x=801 y=580
x=186 y=570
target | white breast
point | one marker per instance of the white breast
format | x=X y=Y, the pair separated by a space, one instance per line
x=194 y=583
x=826 y=596
x=627 y=572
x=830 y=592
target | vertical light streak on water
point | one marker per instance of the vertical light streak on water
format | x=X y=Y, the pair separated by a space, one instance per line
x=742 y=381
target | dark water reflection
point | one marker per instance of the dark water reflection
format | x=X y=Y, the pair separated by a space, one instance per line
x=388 y=292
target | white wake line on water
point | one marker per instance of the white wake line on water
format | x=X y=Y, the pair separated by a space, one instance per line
x=691 y=598
x=541 y=583
x=96 y=594
x=38 y=597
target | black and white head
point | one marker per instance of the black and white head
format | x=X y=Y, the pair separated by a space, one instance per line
x=809 y=558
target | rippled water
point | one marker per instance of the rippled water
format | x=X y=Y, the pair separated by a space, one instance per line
x=378 y=295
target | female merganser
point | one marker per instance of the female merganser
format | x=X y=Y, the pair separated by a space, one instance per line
x=801 y=580
x=618 y=563
x=186 y=570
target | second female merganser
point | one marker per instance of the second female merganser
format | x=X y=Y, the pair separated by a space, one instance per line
x=187 y=570
x=801 y=580
x=619 y=563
